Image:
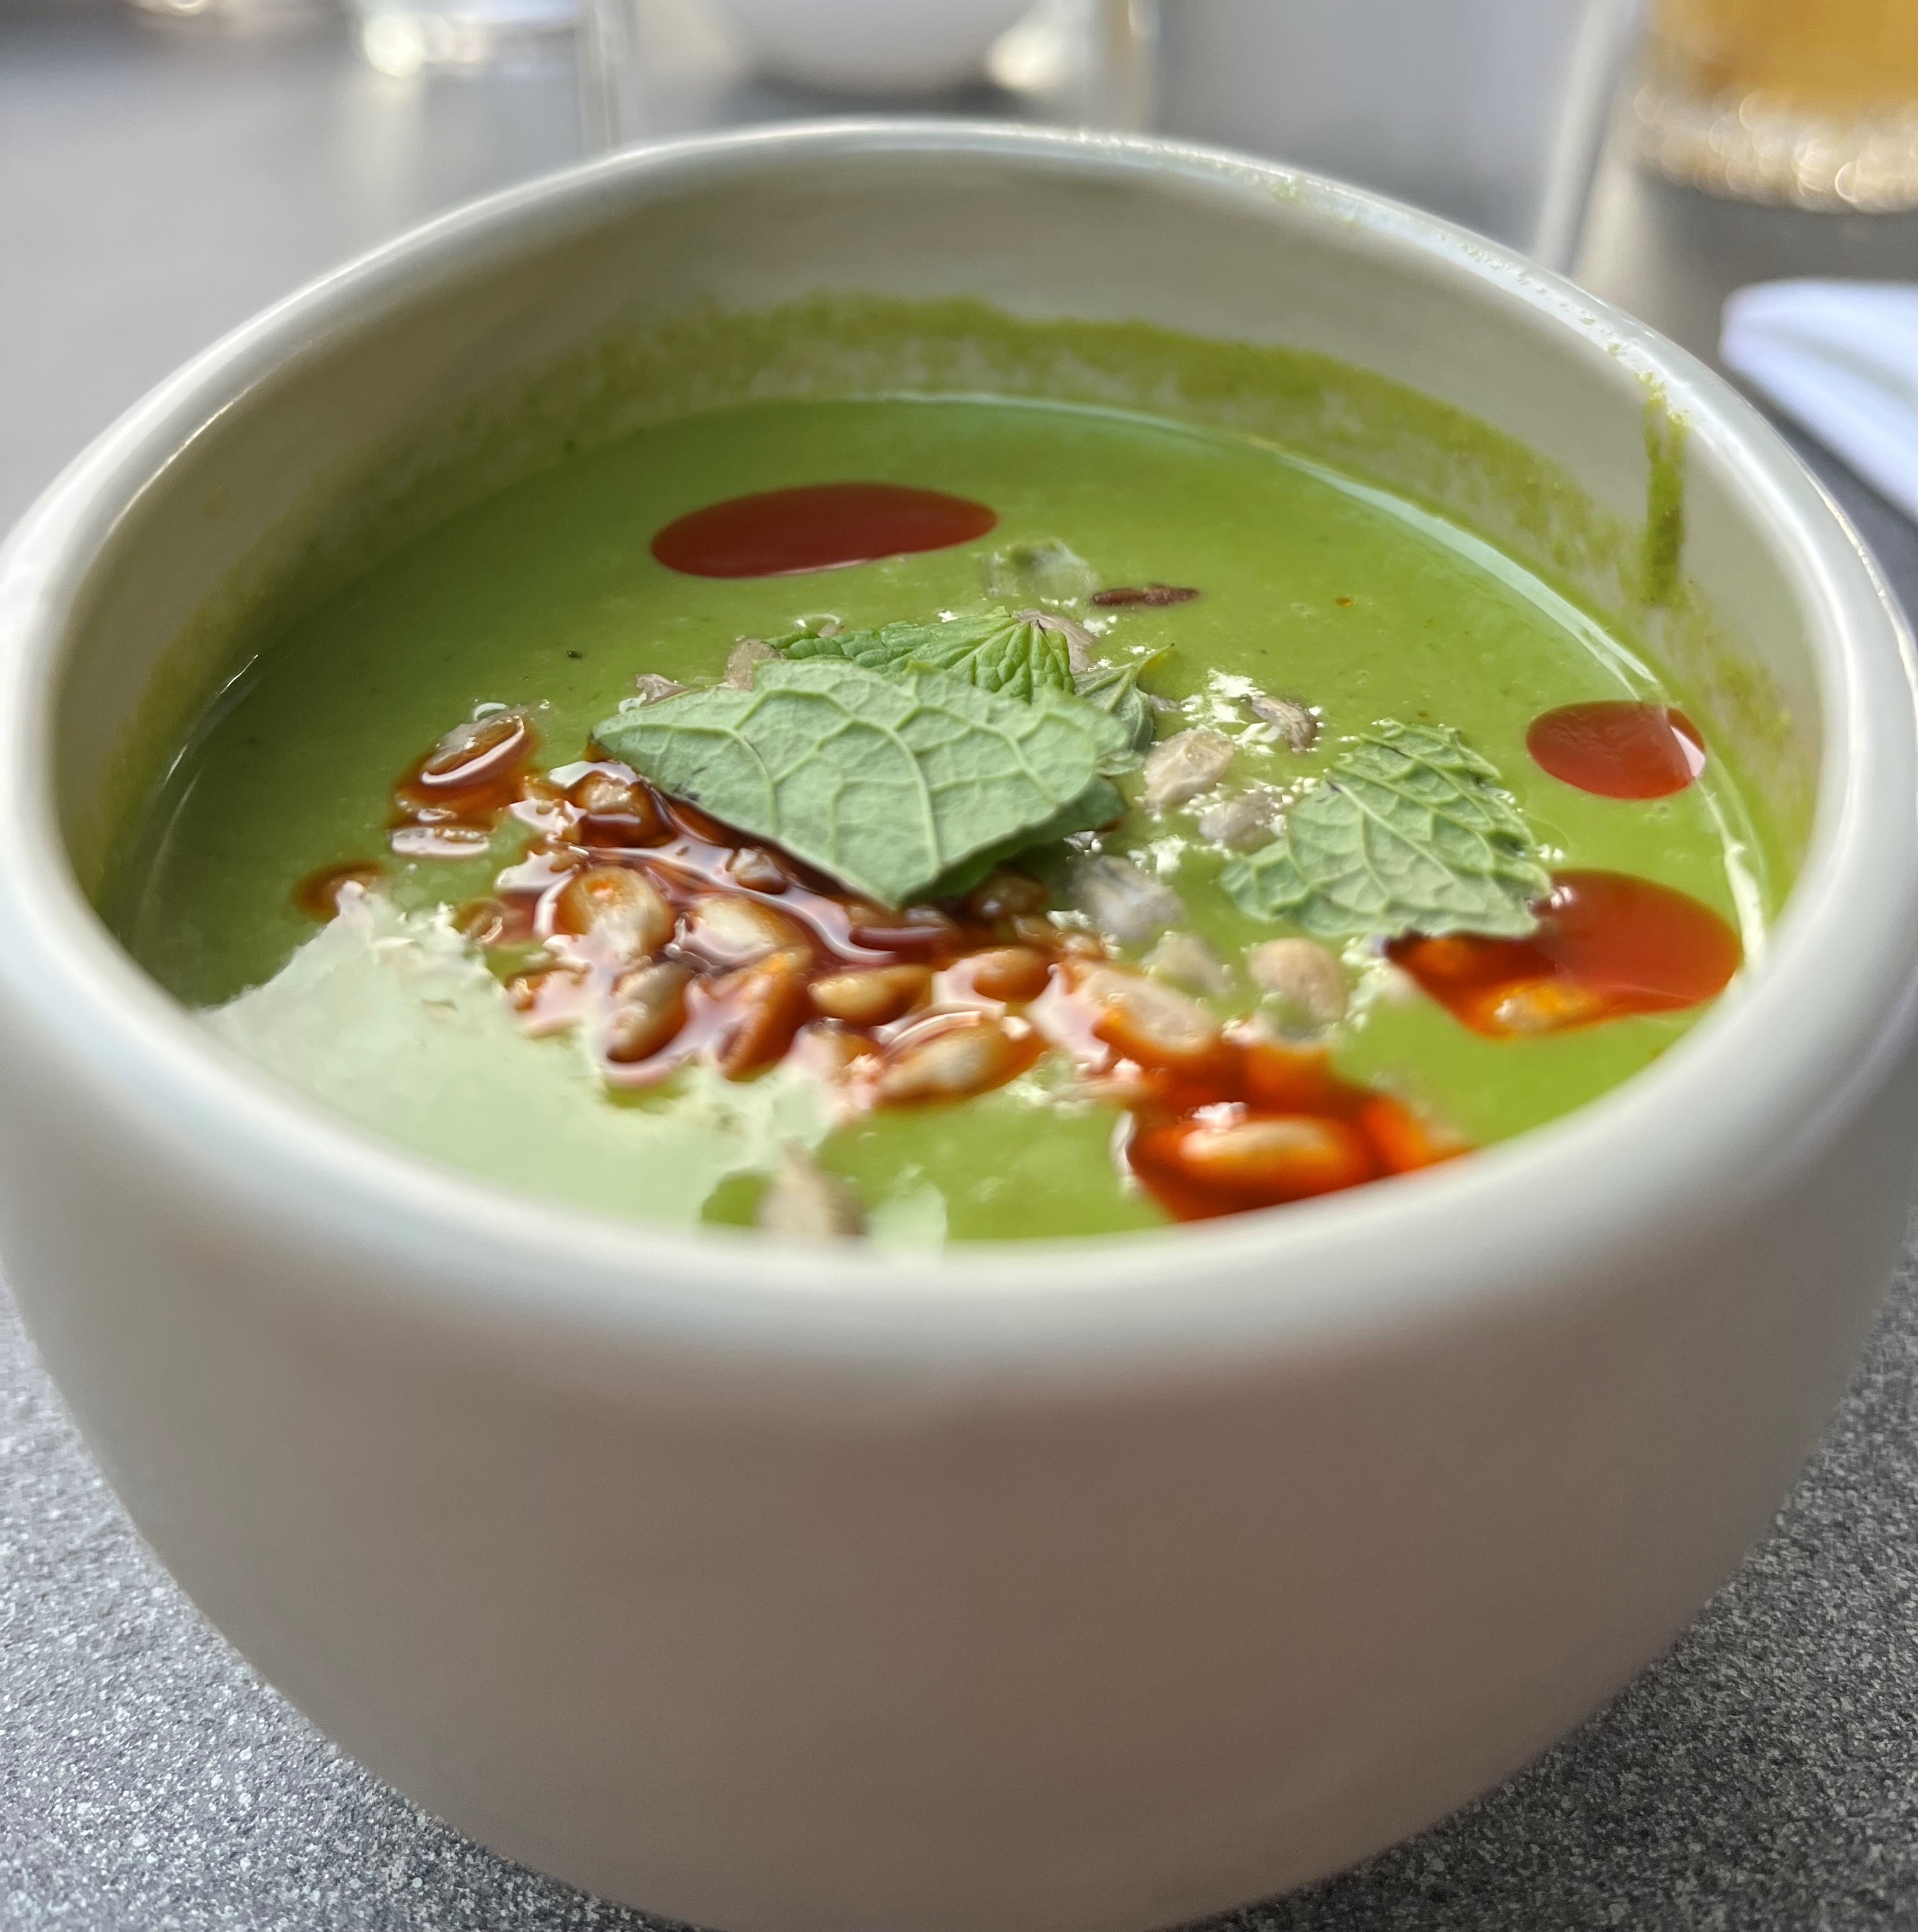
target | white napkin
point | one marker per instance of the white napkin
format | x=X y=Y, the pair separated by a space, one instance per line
x=1841 y=358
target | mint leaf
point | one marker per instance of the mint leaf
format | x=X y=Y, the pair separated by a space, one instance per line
x=1114 y=689
x=887 y=783
x=1408 y=832
x=1020 y=656
x=1099 y=804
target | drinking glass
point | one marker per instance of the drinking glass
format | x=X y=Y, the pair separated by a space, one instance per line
x=654 y=67
x=238 y=15
x=402 y=37
x=1490 y=112
x=1813 y=103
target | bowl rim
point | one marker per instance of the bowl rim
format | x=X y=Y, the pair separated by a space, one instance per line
x=1832 y=1006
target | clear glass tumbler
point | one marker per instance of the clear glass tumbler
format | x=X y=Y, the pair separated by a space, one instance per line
x=245 y=17
x=1489 y=111
x=1810 y=103
x=403 y=37
x=654 y=68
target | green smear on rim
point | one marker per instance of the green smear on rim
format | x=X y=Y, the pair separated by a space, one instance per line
x=1665 y=437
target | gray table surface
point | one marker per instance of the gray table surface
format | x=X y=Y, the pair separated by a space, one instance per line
x=159 y=185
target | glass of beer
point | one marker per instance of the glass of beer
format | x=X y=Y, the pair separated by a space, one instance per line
x=1811 y=102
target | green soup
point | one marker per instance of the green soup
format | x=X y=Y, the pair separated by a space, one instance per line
x=1362 y=700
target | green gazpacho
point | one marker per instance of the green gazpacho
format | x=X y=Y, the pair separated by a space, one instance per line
x=944 y=819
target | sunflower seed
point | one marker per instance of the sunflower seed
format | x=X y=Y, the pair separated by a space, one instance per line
x=1296 y=724
x=744 y=657
x=1123 y=902
x=1242 y=822
x=1185 y=765
x=1303 y=974
x=1187 y=961
x=803 y=1202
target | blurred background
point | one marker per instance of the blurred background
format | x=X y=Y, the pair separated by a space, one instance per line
x=1742 y=174
x=172 y=165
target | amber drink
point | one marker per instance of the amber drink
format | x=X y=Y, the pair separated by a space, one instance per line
x=1814 y=105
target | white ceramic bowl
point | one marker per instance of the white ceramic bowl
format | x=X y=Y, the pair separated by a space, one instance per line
x=1089 y=1586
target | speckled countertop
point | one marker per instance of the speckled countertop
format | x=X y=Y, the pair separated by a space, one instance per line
x=1763 y=1774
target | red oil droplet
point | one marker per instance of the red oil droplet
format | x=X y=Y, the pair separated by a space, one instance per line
x=819 y=526
x=1608 y=944
x=1617 y=748
x=1634 y=939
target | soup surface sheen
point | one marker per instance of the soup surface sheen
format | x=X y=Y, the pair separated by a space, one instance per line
x=395 y=868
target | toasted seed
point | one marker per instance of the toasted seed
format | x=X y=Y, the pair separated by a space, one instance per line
x=918 y=928
x=648 y=1009
x=871 y=997
x=542 y=864
x=623 y=910
x=804 y=1202
x=483 y=922
x=1184 y=765
x=1187 y=961
x=1243 y=822
x=929 y=920
x=615 y=811
x=768 y=1006
x=1035 y=929
x=605 y=791
x=1403 y=1140
x=725 y=930
x=511 y=921
x=1122 y=902
x=451 y=839
x=1285 y=1076
x=1306 y=975
x=1272 y=1158
x=758 y=871
x=744 y=657
x=1297 y=725
x=654 y=689
x=1005 y=895
x=548 y=999
x=1546 y=1005
x=472 y=752
x=1146 y=1022
x=828 y=1050
x=947 y=1061
x=1144 y=596
x=1008 y=973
